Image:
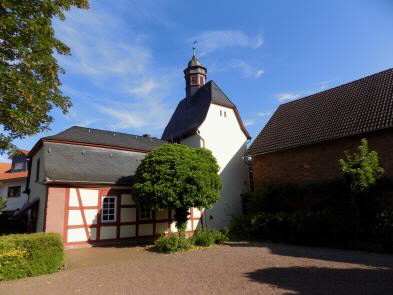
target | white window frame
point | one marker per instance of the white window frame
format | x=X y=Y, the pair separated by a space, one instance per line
x=144 y=218
x=102 y=209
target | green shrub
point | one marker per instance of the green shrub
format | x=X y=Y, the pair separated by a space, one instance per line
x=206 y=238
x=203 y=238
x=220 y=236
x=172 y=243
x=26 y=255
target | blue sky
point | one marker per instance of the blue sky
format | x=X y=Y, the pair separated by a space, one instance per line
x=125 y=72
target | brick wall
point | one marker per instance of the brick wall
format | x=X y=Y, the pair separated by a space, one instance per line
x=319 y=162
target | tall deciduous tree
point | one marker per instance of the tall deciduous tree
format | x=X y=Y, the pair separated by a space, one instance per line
x=178 y=177
x=29 y=72
x=361 y=169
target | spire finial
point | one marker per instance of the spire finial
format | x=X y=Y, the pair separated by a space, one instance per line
x=193 y=47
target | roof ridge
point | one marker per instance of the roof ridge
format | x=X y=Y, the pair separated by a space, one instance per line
x=338 y=86
x=107 y=131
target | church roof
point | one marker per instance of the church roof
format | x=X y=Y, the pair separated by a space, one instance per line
x=69 y=163
x=357 y=107
x=191 y=112
x=87 y=155
x=106 y=138
x=194 y=62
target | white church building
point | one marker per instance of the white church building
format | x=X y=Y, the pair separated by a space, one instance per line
x=79 y=181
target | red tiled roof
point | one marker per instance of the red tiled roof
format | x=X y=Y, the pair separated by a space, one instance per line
x=16 y=175
x=25 y=152
x=4 y=166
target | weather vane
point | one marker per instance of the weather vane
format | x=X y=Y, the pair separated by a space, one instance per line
x=193 y=47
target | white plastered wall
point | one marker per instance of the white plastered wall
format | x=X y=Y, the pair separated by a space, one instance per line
x=223 y=135
x=13 y=203
x=37 y=189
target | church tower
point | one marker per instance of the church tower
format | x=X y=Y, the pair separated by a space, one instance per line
x=195 y=75
x=207 y=118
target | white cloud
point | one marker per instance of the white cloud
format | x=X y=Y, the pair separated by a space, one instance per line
x=247 y=69
x=145 y=87
x=264 y=114
x=211 y=41
x=259 y=117
x=286 y=96
x=120 y=67
x=249 y=122
x=321 y=86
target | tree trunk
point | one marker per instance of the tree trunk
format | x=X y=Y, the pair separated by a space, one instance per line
x=181 y=218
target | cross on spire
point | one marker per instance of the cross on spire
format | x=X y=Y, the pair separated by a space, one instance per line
x=193 y=47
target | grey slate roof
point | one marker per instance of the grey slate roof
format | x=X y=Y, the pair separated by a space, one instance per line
x=68 y=163
x=191 y=112
x=109 y=138
x=357 y=107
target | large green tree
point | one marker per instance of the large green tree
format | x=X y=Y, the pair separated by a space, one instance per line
x=179 y=177
x=29 y=72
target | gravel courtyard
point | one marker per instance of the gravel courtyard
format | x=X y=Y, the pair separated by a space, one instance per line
x=235 y=268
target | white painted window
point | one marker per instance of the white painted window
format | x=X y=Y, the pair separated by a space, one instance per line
x=108 y=212
x=145 y=214
x=220 y=113
x=225 y=114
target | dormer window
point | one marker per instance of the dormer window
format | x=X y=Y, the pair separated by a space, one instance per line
x=19 y=163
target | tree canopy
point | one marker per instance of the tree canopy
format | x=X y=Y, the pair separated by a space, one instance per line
x=29 y=72
x=361 y=169
x=178 y=177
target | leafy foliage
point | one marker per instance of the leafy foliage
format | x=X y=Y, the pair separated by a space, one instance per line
x=28 y=255
x=3 y=203
x=179 y=177
x=361 y=169
x=172 y=243
x=206 y=238
x=29 y=73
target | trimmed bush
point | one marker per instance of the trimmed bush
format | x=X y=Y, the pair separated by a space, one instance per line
x=172 y=243
x=26 y=255
x=206 y=238
x=203 y=238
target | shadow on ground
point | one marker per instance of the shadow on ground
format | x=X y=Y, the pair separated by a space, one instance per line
x=328 y=254
x=309 y=280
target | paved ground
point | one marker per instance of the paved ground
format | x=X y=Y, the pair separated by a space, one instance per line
x=230 y=269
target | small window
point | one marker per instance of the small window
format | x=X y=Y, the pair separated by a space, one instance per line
x=225 y=114
x=37 y=171
x=144 y=214
x=14 y=192
x=194 y=80
x=201 y=80
x=220 y=113
x=108 y=209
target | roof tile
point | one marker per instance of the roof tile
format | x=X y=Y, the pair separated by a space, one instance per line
x=357 y=107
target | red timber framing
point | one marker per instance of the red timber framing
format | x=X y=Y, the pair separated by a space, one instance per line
x=112 y=192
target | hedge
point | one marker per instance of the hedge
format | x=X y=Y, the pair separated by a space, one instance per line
x=26 y=255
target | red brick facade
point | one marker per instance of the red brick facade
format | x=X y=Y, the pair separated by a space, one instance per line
x=319 y=162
